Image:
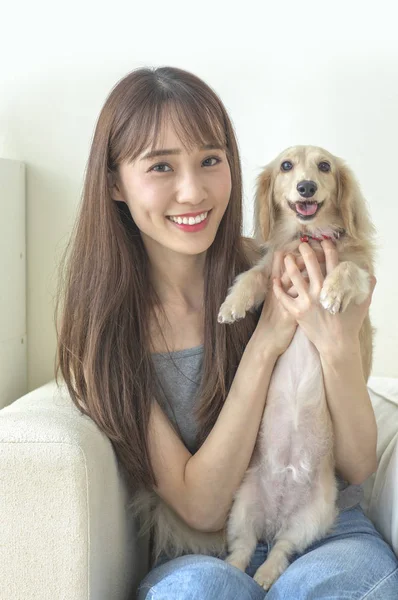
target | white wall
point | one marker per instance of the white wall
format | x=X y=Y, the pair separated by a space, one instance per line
x=13 y=347
x=324 y=73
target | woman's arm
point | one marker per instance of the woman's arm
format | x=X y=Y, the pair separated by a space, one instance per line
x=353 y=419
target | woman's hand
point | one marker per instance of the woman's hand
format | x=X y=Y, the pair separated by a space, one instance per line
x=329 y=333
x=276 y=325
x=285 y=279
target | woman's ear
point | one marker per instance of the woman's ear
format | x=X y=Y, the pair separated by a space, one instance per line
x=264 y=207
x=114 y=188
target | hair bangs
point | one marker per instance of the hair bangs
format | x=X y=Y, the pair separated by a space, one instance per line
x=194 y=124
x=192 y=121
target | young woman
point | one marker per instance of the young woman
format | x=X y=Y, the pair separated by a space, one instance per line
x=157 y=243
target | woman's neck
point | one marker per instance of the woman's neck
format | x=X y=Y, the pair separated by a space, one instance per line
x=178 y=280
x=178 y=322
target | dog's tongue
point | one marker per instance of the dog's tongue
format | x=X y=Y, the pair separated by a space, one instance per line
x=306 y=208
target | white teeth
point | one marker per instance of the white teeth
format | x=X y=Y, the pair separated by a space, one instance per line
x=189 y=220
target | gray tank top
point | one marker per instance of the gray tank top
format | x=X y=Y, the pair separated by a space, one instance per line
x=179 y=374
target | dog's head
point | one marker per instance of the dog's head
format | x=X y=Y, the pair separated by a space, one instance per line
x=306 y=185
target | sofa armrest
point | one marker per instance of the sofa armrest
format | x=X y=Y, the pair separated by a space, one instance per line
x=383 y=507
x=381 y=489
x=65 y=530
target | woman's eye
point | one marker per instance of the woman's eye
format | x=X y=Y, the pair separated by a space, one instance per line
x=211 y=164
x=324 y=166
x=160 y=168
x=286 y=165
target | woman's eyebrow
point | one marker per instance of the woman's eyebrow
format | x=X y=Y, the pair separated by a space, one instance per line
x=173 y=151
x=164 y=152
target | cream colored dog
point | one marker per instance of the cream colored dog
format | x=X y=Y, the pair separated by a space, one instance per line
x=288 y=495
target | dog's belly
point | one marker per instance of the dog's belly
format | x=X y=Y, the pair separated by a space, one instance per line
x=294 y=438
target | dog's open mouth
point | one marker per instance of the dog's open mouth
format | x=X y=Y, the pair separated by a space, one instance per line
x=305 y=210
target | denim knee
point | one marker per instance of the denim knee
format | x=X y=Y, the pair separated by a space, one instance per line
x=386 y=589
x=198 y=577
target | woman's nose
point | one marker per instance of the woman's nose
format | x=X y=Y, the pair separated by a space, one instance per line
x=191 y=190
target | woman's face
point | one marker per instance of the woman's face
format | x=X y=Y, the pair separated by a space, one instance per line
x=176 y=198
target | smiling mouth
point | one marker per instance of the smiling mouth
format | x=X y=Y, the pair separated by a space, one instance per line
x=305 y=210
x=189 y=220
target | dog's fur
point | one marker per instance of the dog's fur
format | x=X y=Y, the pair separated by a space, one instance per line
x=288 y=492
x=288 y=495
x=170 y=535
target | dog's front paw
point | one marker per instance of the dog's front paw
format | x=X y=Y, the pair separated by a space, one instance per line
x=344 y=284
x=331 y=298
x=234 y=307
x=229 y=313
x=248 y=291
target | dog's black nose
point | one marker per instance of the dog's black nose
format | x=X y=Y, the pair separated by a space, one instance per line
x=307 y=189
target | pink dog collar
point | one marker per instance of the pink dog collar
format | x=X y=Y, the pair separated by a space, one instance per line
x=305 y=237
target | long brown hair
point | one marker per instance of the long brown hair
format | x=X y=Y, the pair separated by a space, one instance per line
x=105 y=296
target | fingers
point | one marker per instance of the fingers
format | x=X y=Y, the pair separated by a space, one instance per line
x=277 y=264
x=287 y=285
x=295 y=275
x=280 y=271
x=331 y=255
x=313 y=268
x=287 y=302
x=292 y=292
x=319 y=254
x=320 y=257
x=285 y=280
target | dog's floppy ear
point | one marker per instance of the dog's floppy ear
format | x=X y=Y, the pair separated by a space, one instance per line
x=352 y=204
x=264 y=207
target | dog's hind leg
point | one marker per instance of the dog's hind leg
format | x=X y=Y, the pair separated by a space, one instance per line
x=309 y=524
x=242 y=526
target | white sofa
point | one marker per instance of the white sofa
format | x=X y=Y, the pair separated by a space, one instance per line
x=65 y=532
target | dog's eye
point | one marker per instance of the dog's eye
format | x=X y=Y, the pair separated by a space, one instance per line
x=286 y=165
x=324 y=166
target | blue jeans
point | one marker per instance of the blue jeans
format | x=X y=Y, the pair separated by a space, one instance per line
x=353 y=562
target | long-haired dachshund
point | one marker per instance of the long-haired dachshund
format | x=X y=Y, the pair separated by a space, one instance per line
x=288 y=494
